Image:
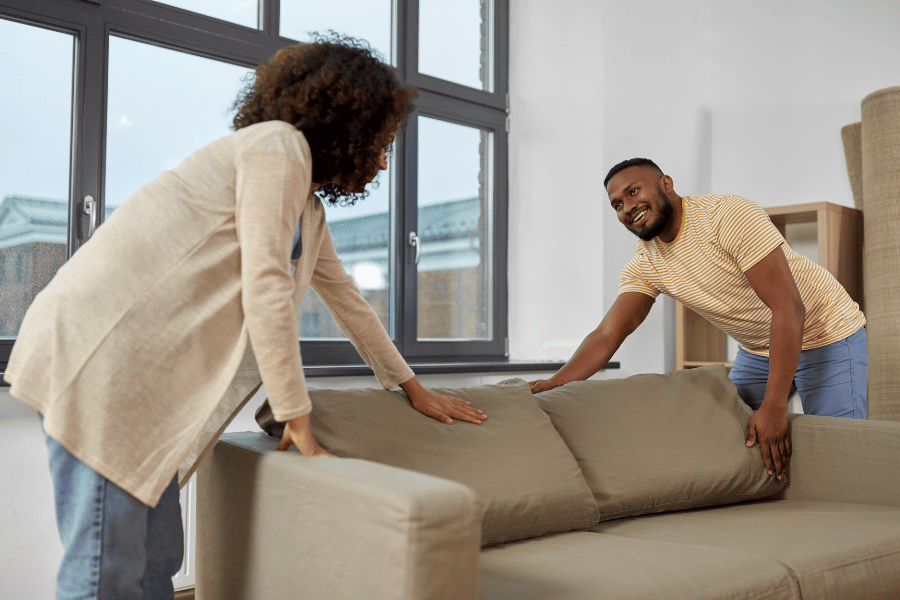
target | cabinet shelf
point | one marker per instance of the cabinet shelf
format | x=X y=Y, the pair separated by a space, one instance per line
x=692 y=364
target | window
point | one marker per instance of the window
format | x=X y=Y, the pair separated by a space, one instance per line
x=148 y=128
x=454 y=231
x=35 y=164
x=93 y=108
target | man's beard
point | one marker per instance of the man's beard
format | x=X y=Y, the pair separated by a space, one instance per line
x=664 y=208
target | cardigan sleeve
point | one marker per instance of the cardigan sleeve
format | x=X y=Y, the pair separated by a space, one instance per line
x=271 y=191
x=356 y=318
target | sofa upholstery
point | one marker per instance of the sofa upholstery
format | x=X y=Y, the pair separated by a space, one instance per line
x=654 y=443
x=526 y=479
x=632 y=488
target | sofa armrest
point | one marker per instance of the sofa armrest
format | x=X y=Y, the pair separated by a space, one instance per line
x=274 y=525
x=844 y=460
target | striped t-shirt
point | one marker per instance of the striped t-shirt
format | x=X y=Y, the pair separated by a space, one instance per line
x=720 y=238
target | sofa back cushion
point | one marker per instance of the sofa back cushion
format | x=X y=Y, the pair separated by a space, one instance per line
x=527 y=481
x=654 y=443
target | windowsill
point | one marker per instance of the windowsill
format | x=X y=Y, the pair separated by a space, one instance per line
x=446 y=368
x=436 y=368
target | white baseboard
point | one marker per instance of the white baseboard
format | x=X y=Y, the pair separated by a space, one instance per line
x=185 y=578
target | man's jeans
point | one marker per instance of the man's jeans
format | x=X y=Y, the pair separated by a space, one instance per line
x=832 y=380
x=115 y=547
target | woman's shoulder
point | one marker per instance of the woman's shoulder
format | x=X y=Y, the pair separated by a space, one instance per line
x=272 y=136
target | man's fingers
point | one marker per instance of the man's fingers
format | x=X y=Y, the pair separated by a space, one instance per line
x=751 y=435
x=785 y=447
x=541 y=385
x=767 y=457
x=776 y=460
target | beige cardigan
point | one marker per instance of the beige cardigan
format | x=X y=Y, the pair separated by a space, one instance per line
x=137 y=352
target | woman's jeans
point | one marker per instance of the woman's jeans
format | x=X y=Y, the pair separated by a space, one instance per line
x=832 y=380
x=115 y=547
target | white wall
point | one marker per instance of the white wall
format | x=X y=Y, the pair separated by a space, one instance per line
x=556 y=254
x=658 y=88
x=788 y=75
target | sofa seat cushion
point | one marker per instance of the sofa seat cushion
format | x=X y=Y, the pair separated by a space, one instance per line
x=836 y=551
x=656 y=443
x=587 y=566
x=527 y=481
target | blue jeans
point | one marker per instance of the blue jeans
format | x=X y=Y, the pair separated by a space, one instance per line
x=832 y=380
x=114 y=546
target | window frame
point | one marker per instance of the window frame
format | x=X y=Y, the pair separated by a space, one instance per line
x=92 y=22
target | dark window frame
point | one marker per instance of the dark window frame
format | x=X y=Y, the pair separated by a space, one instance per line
x=93 y=21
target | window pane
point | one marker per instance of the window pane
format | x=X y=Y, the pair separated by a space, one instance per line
x=366 y=19
x=454 y=275
x=242 y=12
x=163 y=105
x=455 y=42
x=361 y=235
x=35 y=138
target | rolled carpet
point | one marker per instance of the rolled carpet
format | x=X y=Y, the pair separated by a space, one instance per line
x=852 y=138
x=881 y=264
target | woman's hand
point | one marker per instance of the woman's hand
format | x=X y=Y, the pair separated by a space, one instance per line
x=439 y=407
x=298 y=432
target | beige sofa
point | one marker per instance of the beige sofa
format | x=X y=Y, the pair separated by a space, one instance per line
x=623 y=489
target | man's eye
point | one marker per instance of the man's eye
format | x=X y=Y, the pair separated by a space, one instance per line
x=633 y=191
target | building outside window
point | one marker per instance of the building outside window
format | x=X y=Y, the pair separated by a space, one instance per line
x=107 y=94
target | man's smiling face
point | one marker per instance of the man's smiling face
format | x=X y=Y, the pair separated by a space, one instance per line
x=641 y=204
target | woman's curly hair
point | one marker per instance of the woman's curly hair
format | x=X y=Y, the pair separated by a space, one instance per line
x=346 y=102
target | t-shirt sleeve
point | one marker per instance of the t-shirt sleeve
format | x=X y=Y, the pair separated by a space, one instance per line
x=633 y=278
x=745 y=231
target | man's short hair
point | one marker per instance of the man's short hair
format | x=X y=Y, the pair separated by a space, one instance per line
x=631 y=162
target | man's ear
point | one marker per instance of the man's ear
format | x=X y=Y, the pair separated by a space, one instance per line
x=667 y=184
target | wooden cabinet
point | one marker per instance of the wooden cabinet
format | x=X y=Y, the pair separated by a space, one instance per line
x=839 y=236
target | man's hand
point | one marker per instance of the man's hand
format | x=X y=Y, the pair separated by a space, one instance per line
x=298 y=432
x=439 y=407
x=542 y=385
x=768 y=426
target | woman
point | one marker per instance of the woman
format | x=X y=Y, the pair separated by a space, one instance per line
x=129 y=352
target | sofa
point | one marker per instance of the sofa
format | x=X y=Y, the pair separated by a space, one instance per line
x=631 y=488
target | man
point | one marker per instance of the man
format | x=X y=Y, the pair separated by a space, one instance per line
x=722 y=257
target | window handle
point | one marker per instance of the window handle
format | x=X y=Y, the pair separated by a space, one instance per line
x=90 y=209
x=414 y=242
